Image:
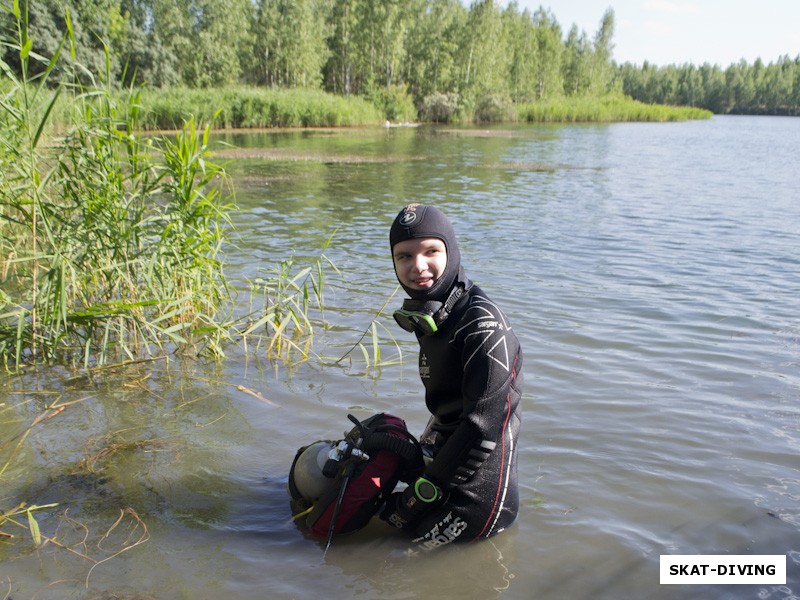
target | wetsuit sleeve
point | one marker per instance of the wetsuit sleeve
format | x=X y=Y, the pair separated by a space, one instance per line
x=491 y=362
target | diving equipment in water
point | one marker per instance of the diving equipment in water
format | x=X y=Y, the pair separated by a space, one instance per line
x=308 y=471
x=338 y=486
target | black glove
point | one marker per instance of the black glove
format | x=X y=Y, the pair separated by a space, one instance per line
x=404 y=509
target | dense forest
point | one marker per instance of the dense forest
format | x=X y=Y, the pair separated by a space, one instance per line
x=741 y=88
x=437 y=51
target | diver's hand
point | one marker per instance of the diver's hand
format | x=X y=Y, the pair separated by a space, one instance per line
x=401 y=509
x=404 y=509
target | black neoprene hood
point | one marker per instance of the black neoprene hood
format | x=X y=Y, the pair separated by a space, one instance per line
x=417 y=221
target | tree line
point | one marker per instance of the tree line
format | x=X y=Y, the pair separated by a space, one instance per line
x=427 y=49
x=741 y=88
x=360 y=47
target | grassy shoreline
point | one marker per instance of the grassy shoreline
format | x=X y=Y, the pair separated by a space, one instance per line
x=242 y=107
x=606 y=109
x=247 y=107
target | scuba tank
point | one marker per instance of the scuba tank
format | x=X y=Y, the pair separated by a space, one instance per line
x=336 y=487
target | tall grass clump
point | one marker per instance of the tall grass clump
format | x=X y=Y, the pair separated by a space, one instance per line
x=611 y=108
x=252 y=107
x=110 y=242
x=394 y=102
x=283 y=327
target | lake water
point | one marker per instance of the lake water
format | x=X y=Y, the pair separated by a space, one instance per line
x=650 y=272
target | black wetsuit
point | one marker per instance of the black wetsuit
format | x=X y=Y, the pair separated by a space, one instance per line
x=471 y=369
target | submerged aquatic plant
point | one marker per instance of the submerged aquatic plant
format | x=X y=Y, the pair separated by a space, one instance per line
x=126 y=533
x=12 y=516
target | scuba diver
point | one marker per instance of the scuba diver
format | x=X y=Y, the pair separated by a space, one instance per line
x=461 y=474
x=470 y=363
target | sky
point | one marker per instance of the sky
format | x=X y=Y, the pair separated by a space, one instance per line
x=676 y=32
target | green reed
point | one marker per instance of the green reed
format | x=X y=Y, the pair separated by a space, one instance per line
x=110 y=241
x=112 y=251
x=371 y=350
x=252 y=107
x=611 y=108
x=283 y=326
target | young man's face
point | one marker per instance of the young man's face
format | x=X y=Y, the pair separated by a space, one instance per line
x=419 y=262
